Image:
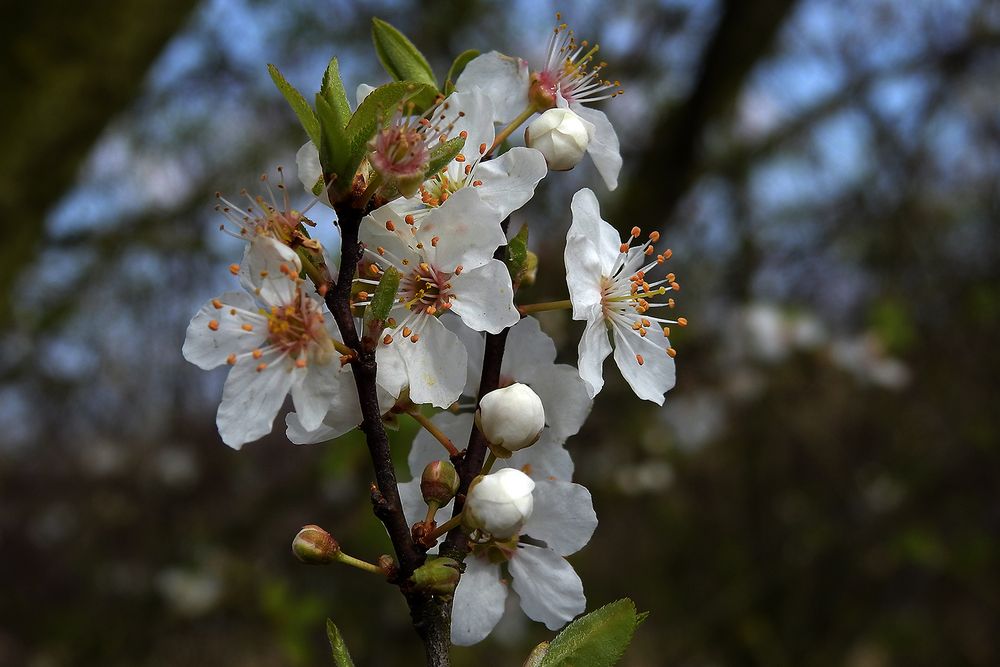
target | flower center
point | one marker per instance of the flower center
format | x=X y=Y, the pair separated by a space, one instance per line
x=400 y=151
x=271 y=216
x=426 y=288
x=294 y=327
x=626 y=293
x=569 y=69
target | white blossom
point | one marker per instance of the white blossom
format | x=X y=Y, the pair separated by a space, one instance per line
x=511 y=417
x=499 y=503
x=610 y=290
x=561 y=136
x=446 y=262
x=504 y=183
x=278 y=340
x=568 y=79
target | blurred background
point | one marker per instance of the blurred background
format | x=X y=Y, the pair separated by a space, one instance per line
x=819 y=489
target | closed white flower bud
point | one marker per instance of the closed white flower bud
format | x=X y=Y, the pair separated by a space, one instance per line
x=511 y=418
x=499 y=503
x=561 y=136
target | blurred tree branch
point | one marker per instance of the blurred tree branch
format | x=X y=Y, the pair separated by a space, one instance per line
x=65 y=74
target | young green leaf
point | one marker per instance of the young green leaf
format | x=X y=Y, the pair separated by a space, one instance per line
x=385 y=295
x=400 y=58
x=537 y=655
x=298 y=103
x=457 y=68
x=596 y=640
x=442 y=154
x=334 y=148
x=333 y=92
x=341 y=656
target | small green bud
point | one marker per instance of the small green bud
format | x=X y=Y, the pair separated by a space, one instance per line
x=315 y=546
x=439 y=575
x=530 y=271
x=439 y=482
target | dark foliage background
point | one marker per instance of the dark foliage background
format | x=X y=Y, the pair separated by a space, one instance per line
x=821 y=486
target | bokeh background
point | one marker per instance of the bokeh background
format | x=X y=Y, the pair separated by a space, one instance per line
x=820 y=487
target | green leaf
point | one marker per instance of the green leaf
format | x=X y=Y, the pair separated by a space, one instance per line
x=457 y=68
x=333 y=92
x=442 y=154
x=298 y=103
x=400 y=58
x=341 y=656
x=384 y=297
x=596 y=640
x=374 y=111
x=517 y=255
x=334 y=148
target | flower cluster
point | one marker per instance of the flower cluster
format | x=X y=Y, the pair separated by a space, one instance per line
x=423 y=184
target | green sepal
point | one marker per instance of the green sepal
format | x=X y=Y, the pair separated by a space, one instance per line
x=439 y=575
x=333 y=92
x=341 y=656
x=374 y=111
x=537 y=655
x=442 y=154
x=517 y=255
x=298 y=103
x=457 y=67
x=400 y=58
x=596 y=640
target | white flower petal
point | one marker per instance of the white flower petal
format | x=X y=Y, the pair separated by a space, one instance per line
x=319 y=389
x=484 y=298
x=546 y=459
x=565 y=397
x=604 y=148
x=587 y=222
x=362 y=91
x=206 y=347
x=509 y=180
x=503 y=79
x=475 y=345
x=435 y=364
x=584 y=269
x=549 y=587
x=479 y=602
x=374 y=234
x=251 y=399
x=469 y=111
x=391 y=376
x=535 y=352
x=307 y=164
x=468 y=232
x=594 y=349
x=656 y=375
x=563 y=516
x=261 y=270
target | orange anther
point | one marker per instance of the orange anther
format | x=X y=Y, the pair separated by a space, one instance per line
x=435 y=241
x=234 y=269
x=213 y=325
x=463 y=134
x=217 y=303
x=672 y=352
x=387 y=339
x=482 y=148
x=639 y=358
x=682 y=321
x=459 y=158
x=258 y=353
x=623 y=247
x=414 y=338
x=300 y=362
x=431 y=310
x=654 y=236
x=261 y=367
x=635 y=232
x=409 y=218
x=231 y=359
x=388 y=225
x=247 y=327
x=407 y=331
